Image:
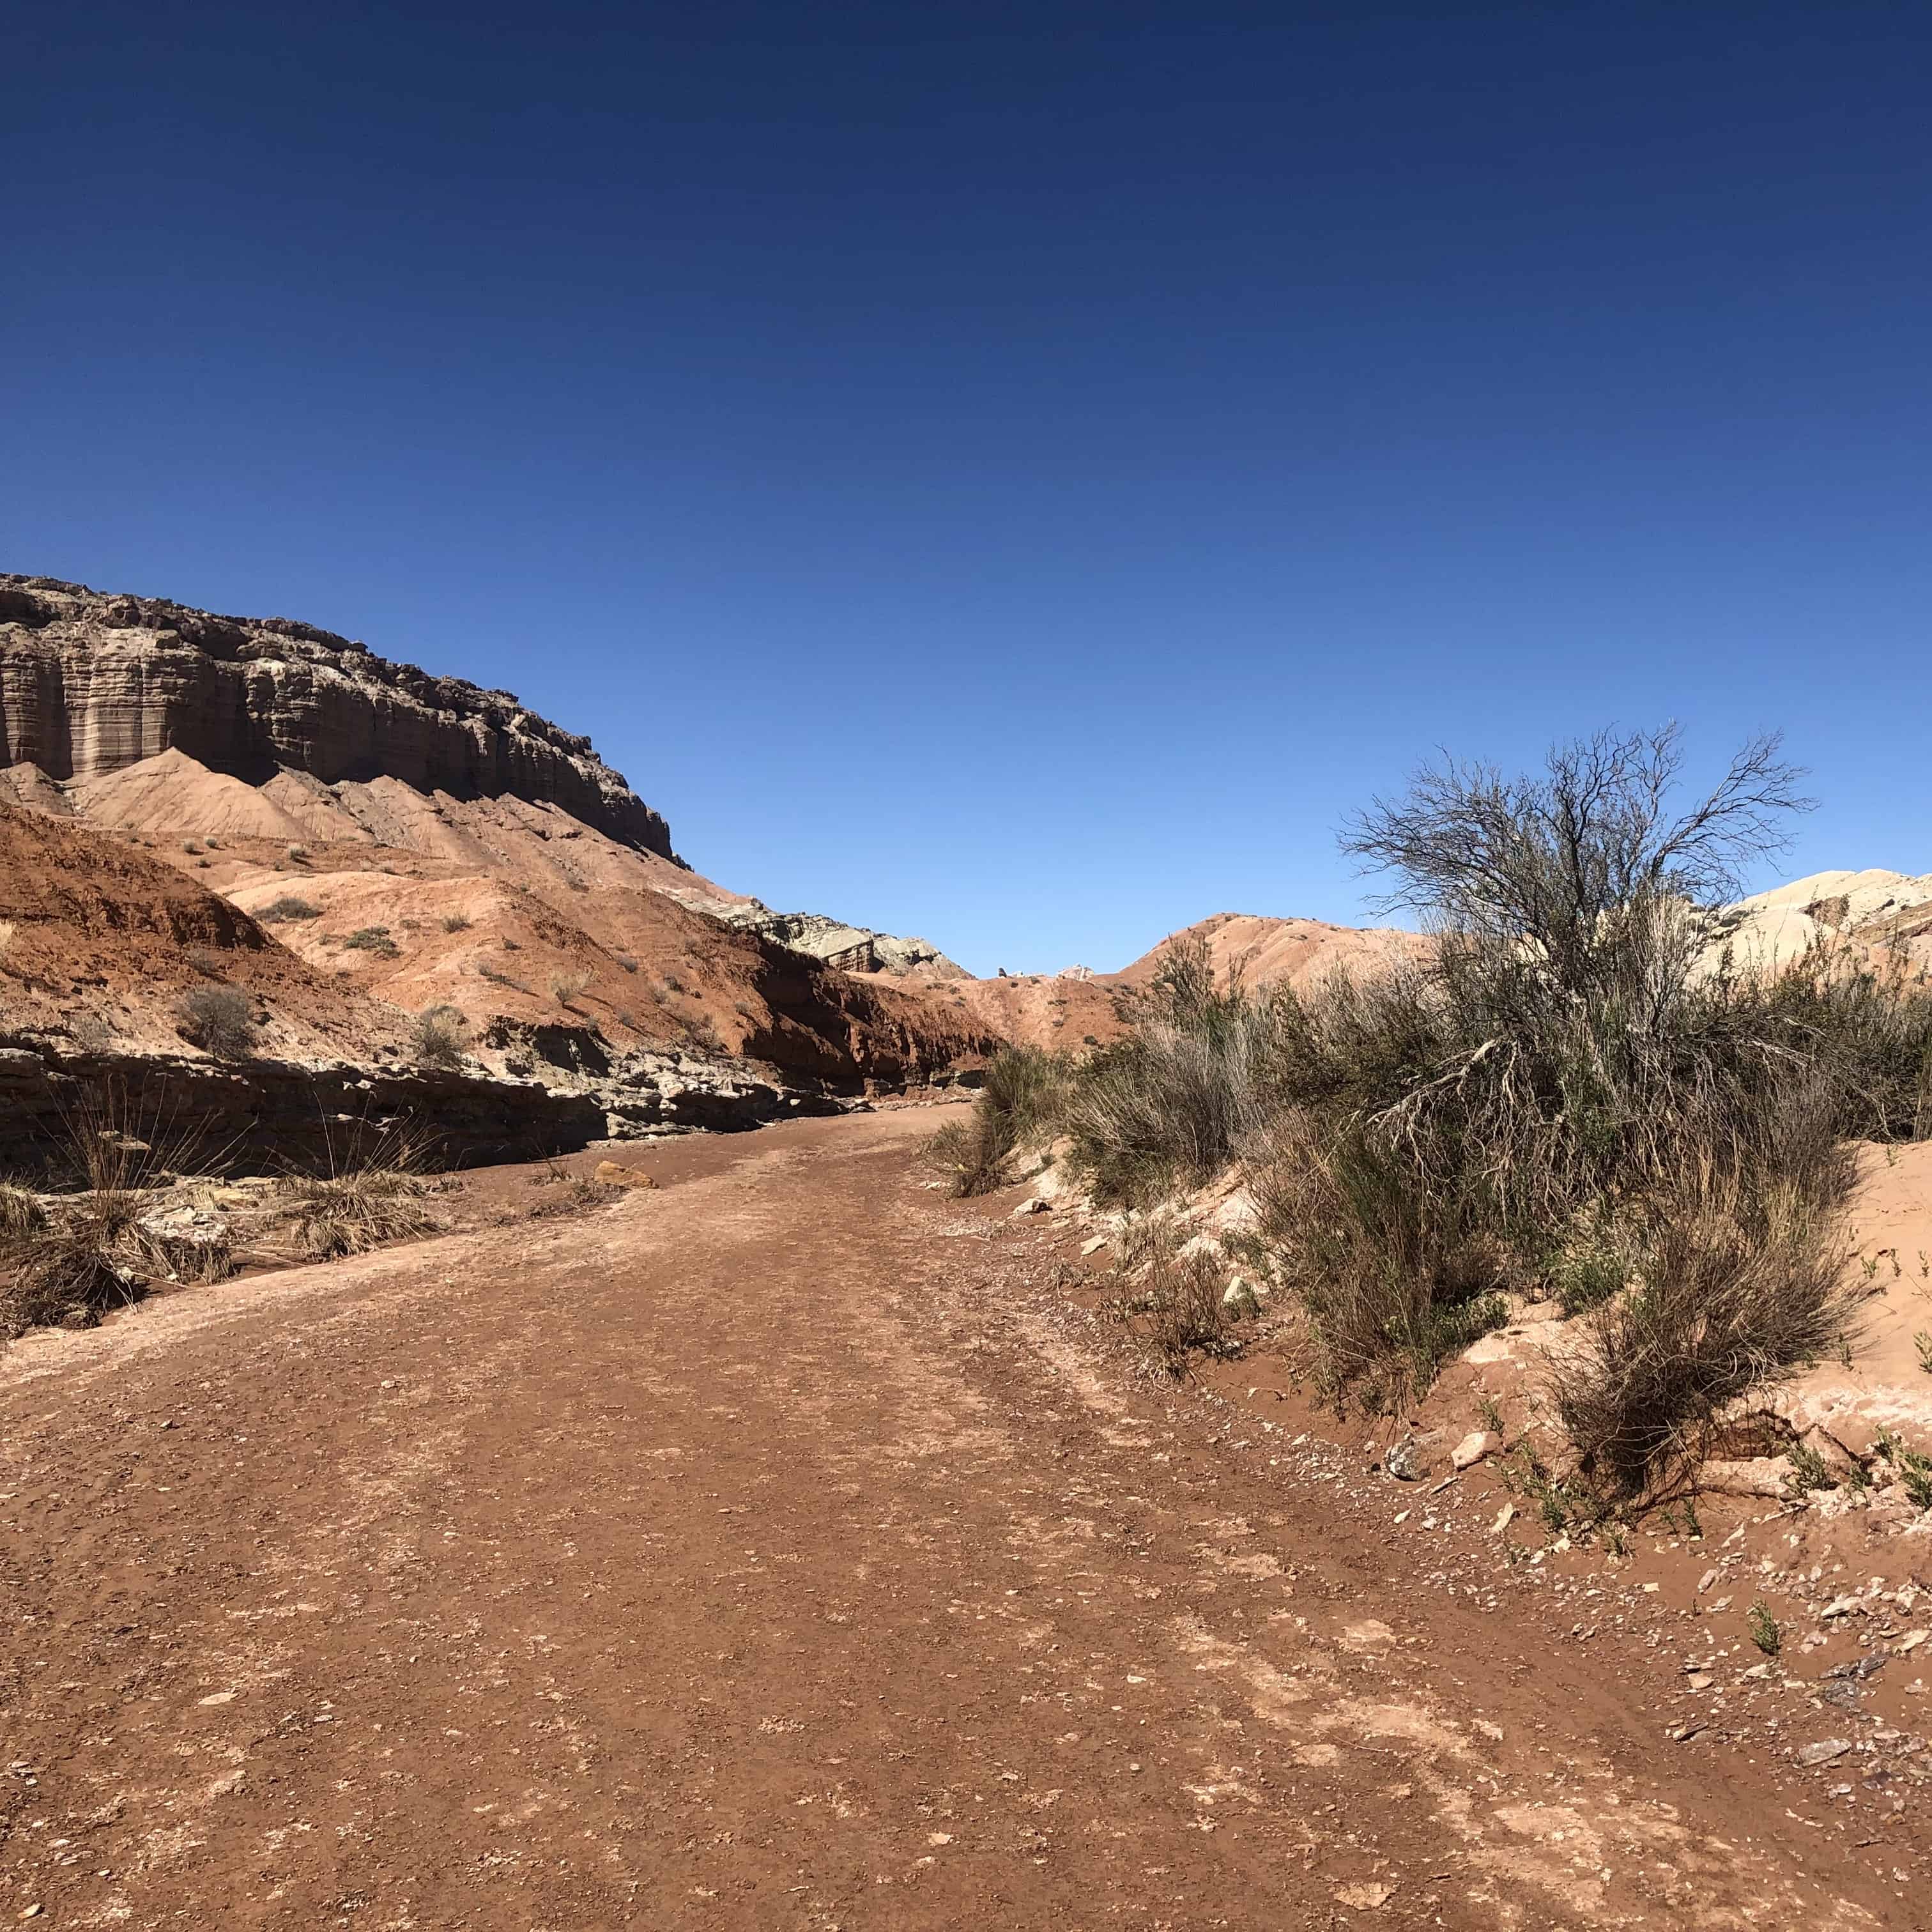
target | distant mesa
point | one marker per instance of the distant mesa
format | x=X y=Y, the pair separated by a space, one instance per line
x=92 y=683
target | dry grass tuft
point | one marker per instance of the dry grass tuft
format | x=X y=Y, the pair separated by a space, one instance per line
x=94 y=1250
x=1020 y=1101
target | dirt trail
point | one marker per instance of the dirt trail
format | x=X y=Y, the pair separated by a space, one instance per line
x=761 y=1552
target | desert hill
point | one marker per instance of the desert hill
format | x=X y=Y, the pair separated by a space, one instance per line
x=418 y=842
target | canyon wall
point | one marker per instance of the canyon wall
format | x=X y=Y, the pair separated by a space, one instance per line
x=90 y=682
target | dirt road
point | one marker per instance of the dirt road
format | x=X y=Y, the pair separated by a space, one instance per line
x=762 y=1552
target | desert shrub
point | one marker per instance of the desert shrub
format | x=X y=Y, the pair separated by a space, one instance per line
x=1520 y=1107
x=7 y=930
x=1739 y=1286
x=457 y=921
x=1167 y=1107
x=440 y=1036
x=1393 y=1278
x=372 y=939
x=565 y=987
x=288 y=908
x=497 y=977
x=297 y=854
x=1021 y=1099
x=625 y=961
x=219 y=1020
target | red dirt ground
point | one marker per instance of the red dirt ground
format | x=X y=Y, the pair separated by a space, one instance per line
x=774 y=1548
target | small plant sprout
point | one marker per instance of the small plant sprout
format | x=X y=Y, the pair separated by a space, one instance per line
x=1764 y=1631
x=1809 y=1470
x=1922 y=1342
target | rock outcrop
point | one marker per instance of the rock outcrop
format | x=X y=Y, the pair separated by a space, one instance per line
x=90 y=683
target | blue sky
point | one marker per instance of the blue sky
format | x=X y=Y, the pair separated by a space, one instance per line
x=1015 y=474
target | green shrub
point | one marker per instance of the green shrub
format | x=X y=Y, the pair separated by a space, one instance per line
x=1020 y=1101
x=372 y=939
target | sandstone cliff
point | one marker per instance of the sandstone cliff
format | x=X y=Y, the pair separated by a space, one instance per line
x=91 y=683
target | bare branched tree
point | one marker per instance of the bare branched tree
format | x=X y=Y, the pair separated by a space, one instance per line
x=1566 y=860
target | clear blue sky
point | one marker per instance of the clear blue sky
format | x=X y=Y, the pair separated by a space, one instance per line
x=1013 y=473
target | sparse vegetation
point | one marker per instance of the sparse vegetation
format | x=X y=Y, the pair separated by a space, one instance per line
x=497 y=977
x=288 y=908
x=1764 y=1631
x=457 y=921
x=6 y=934
x=374 y=939
x=1021 y=1096
x=297 y=855
x=373 y=1195
x=95 y=1249
x=219 y=1020
x=566 y=987
x=625 y=961
x=1168 y=1292
x=441 y=1036
x=1564 y=1094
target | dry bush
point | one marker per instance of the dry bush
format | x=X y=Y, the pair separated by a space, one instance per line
x=297 y=854
x=1167 y=1109
x=372 y=939
x=7 y=930
x=441 y=1036
x=625 y=961
x=1393 y=1277
x=457 y=921
x=288 y=908
x=1169 y=1295
x=1736 y=1292
x=219 y=1020
x=1020 y=1100
x=565 y=987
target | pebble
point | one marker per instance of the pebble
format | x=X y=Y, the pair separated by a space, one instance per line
x=1824 y=1751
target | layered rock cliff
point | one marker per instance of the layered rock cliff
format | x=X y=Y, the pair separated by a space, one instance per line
x=90 y=683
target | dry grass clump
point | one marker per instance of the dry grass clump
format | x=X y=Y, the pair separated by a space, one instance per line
x=1020 y=1100
x=566 y=987
x=21 y=1213
x=93 y=1250
x=367 y=1202
x=219 y=1020
x=457 y=921
x=7 y=930
x=1167 y=1108
x=288 y=908
x=374 y=939
x=440 y=1037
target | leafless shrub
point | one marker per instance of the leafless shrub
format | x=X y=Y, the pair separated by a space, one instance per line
x=372 y=939
x=625 y=961
x=298 y=855
x=457 y=921
x=7 y=930
x=219 y=1020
